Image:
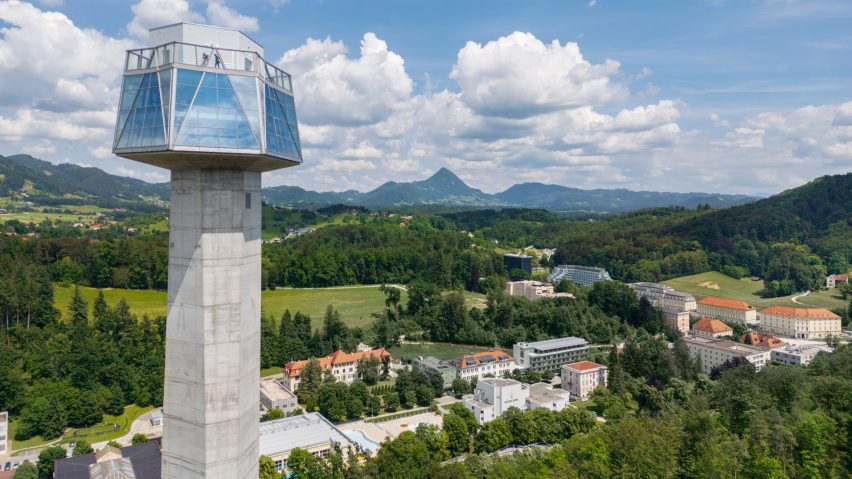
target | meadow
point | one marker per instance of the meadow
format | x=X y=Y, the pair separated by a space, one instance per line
x=717 y=284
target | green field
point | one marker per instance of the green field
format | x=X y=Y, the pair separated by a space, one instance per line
x=439 y=350
x=93 y=434
x=717 y=284
x=356 y=304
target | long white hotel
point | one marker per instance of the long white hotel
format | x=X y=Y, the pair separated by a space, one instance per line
x=712 y=352
x=800 y=323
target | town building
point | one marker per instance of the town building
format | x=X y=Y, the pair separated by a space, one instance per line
x=662 y=295
x=832 y=281
x=433 y=365
x=582 y=275
x=478 y=365
x=311 y=432
x=712 y=352
x=582 y=377
x=274 y=395
x=551 y=354
x=677 y=319
x=4 y=433
x=724 y=308
x=522 y=262
x=799 y=354
x=711 y=328
x=156 y=417
x=533 y=290
x=800 y=323
x=494 y=396
x=343 y=366
x=763 y=340
x=142 y=461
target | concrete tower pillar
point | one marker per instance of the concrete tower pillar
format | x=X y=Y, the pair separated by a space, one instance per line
x=210 y=427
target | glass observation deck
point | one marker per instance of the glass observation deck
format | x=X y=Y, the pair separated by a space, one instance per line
x=185 y=105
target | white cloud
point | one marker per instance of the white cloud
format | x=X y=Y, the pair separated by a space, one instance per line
x=101 y=152
x=149 y=176
x=156 y=13
x=224 y=16
x=335 y=89
x=519 y=76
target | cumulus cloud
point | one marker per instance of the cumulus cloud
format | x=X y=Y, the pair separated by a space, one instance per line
x=519 y=76
x=224 y=16
x=335 y=89
x=149 y=176
x=156 y=13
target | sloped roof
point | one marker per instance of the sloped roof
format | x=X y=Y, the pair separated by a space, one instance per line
x=800 y=313
x=294 y=368
x=710 y=325
x=583 y=366
x=726 y=303
x=485 y=357
x=763 y=339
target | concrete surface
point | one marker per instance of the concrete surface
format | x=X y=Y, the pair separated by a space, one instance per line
x=213 y=330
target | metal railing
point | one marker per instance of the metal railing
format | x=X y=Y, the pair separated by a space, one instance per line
x=206 y=56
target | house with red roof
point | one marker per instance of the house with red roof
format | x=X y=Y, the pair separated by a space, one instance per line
x=478 y=365
x=800 y=323
x=835 y=279
x=342 y=365
x=582 y=377
x=711 y=328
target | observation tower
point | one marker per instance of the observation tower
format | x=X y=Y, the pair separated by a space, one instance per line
x=203 y=103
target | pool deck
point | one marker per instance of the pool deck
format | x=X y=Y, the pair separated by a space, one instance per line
x=381 y=431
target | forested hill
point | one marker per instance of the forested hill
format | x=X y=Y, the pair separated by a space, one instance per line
x=43 y=180
x=810 y=214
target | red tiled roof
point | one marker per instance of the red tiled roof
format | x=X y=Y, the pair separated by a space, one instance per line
x=476 y=359
x=841 y=277
x=710 y=325
x=294 y=368
x=763 y=339
x=583 y=365
x=726 y=303
x=800 y=313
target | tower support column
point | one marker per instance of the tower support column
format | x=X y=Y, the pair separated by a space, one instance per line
x=211 y=393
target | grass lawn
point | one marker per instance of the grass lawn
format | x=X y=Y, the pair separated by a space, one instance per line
x=97 y=433
x=270 y=371
x=477 y=300
x=355 y=303
x=39 y=217
x=439 y=350
x=717 y=284
x=824 y=299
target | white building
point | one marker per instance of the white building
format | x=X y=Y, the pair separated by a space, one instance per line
x=730 y=309
x=582 y=275
x=493 y=396
x=478 y=365
x=581 y=378
x=833 y=280
x=533 y=290
x=275 y=395
x=676 y=306
x=799 y=354
x=800 y=323
x=712 y=353
x=156 y=417
x=551 y=354
x=4 y=433
x=311 y=432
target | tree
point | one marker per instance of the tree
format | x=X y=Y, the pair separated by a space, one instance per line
x=82 y=447
x=492 y=436
x=817 y=439
x=47 y=457
x=274 y=414
x=332 y=401
x=391 y=400
x=303 y=465
x=114 y=444
x=27 y=470
x=139 y=438
x=310 y=383
x=368 y=369
x=267 y=468
x=404 y=458
x=458 y=436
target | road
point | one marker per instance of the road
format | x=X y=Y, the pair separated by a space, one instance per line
x=795 y=299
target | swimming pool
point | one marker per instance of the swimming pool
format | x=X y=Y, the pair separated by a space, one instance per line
x=358 y=437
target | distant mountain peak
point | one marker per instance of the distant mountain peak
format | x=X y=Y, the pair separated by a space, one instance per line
x=446 y=177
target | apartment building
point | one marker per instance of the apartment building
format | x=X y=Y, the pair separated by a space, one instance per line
x=712 y=352
x=274 y=395
x=4 y=433
x=478 y=365
x=800 y=323
x=533 y=290
x=551 y=354
x=801 y=354
x=677 y=307
x=343 y=366
x=582 y=377
x=582 y=275
x=711 y=328
x=724 y=308
x=522 y=262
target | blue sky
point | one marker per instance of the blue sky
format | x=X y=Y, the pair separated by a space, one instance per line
x=747 y=96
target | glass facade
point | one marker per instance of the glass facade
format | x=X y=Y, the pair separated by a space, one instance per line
x=232 y=102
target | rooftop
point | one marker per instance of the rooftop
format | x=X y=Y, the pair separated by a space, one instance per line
x=542 y=392
x=304 y=431
x=274 y=390
x=499 y=382
x=514 y=255
x=144 y=461
x=294 y=368
x=800 y=313
x=580 y=267
x=725 y=345
x=559 y=343
x=584 y=366
x=806 y=348
x=710 y=325
x=764 y=340
x=726 y=303
x=476 y=359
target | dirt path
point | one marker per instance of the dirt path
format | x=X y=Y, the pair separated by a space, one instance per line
x=795 y=299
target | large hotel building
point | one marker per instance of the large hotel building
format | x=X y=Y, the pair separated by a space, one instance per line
x=800 y=323
x=730 y=309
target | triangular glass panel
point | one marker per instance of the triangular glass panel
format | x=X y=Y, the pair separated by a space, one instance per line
x=187 y=84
